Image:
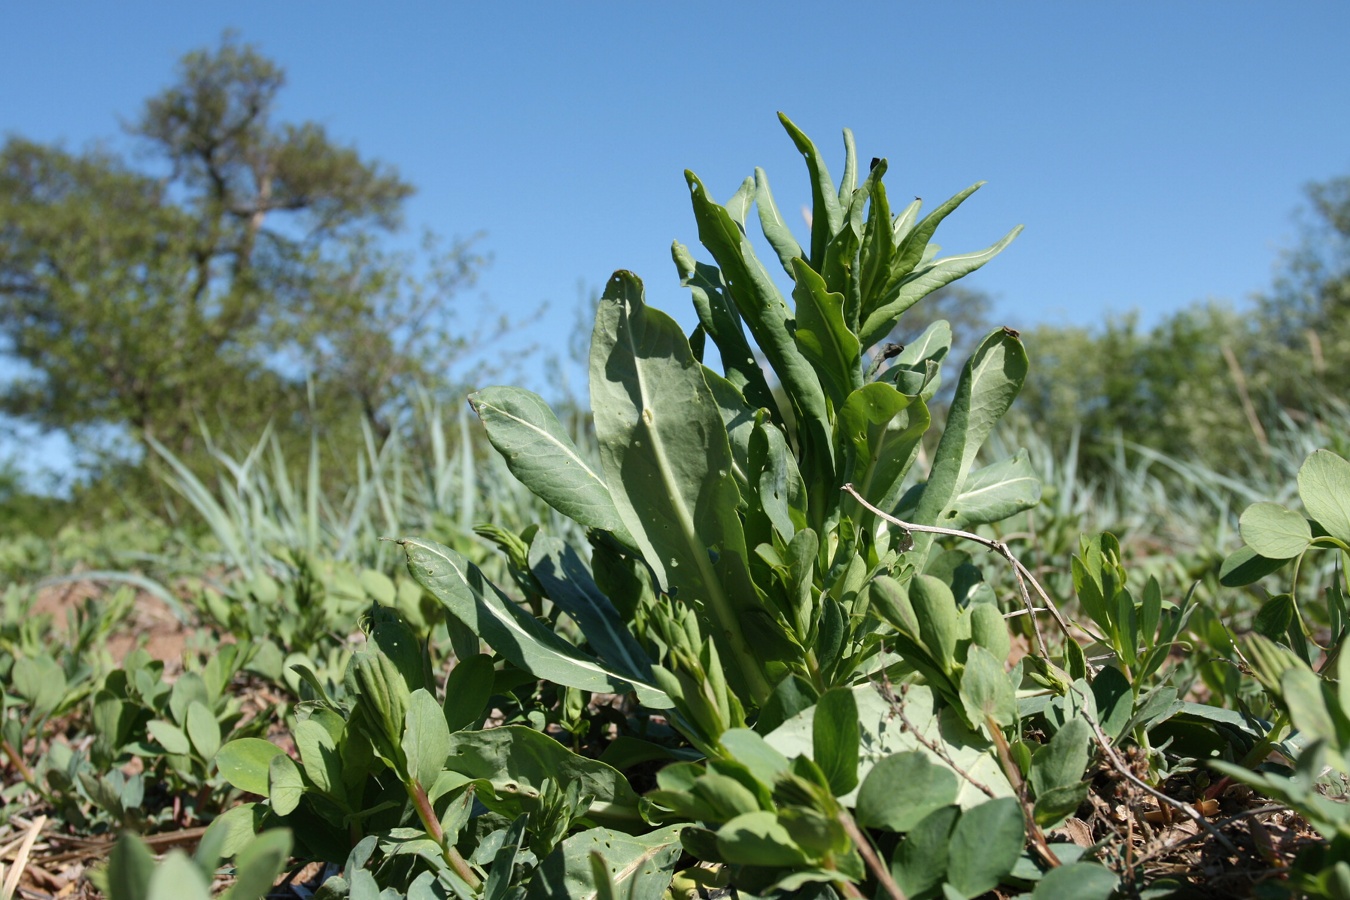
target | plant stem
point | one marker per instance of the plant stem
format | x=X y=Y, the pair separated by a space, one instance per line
x=870 y=857
x=433 y=827
x=1014 y=774
x=19 y=764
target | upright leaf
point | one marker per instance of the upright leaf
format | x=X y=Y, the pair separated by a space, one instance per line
x=823 y=337
x=1324 y=488
x=540 y=453
x=827 y=215
x=835 y=739
x=667 y=459
x=767 y=316
x=989 y=382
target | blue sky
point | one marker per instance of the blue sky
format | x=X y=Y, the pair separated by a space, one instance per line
x=1155 y=152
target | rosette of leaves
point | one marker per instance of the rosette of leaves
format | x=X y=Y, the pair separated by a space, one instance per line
x=724 y=552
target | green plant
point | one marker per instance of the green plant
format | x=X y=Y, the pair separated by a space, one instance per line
x=388 y=780
x=133 y=874
x=731 y=578
x=1305 y=675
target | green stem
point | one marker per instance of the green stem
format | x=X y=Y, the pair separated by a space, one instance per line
x=433 y=828
x=1264 y=746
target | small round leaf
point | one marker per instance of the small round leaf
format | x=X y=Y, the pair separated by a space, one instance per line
x=1275 y=532
x=1324 y=488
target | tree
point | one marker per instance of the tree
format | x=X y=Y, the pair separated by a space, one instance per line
x=243 y=274
x=1306 y=315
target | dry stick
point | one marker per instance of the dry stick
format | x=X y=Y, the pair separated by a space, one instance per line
x=870 y=856
x=1014 y=775
x=11 y=884
x=1191 y=838
x=1248 y=408
x=1020 y=572
x=1120 y=766
x=15 y=758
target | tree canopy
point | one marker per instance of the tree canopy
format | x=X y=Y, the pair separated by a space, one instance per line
x=237 y=269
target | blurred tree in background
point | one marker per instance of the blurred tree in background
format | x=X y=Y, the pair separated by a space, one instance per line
x=241 y=277
x=1209 y=384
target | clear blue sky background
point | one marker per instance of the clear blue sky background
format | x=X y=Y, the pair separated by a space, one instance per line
x=1154 y=151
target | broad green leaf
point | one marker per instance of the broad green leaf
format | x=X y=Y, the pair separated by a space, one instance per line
x=518 y=760
x=996 y=492
x=920 y=863
x=935 y=608
x=568 y=583
x=319 y=755
x=990 y=380
x=902 y=789
x=724 y=796
x=884 y=734
x=507 y=628
x=1245 y=566
x=640 y=866
x=468 y=688
x=203 y=729
x=231 y=831
x=169 y=736
x=243 y=763
x=1063 y=761
x=1055 y=805
x=1275 y=532
x=878 y=246
x=986 y=844
x=879 y=431
x=986 y=690
x=933 y=344
x=177 y=878
x=426 y=738
x=189 y=687
x=1302 y=691
x=1274 y=617
x=1114 y=697
x=1077 y=881
x=539 y=452
x=751 y=750
x=989 y=629
x=776 y=487
x=823 y=337
x=259 y=864
x=827 y=216
x=285 y=785
x=40 y=681
x=921 y=282
x=130 y=868
x=665 y=454
x=835 y=739
x=739 y=421
x=1324 y=488
x=757 y=839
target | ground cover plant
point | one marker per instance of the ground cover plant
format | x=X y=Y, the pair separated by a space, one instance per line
x=781 y=631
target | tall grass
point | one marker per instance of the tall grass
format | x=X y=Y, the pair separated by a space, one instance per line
x=436 y=478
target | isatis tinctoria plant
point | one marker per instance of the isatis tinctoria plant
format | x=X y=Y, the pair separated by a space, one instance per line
x=731 y=579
